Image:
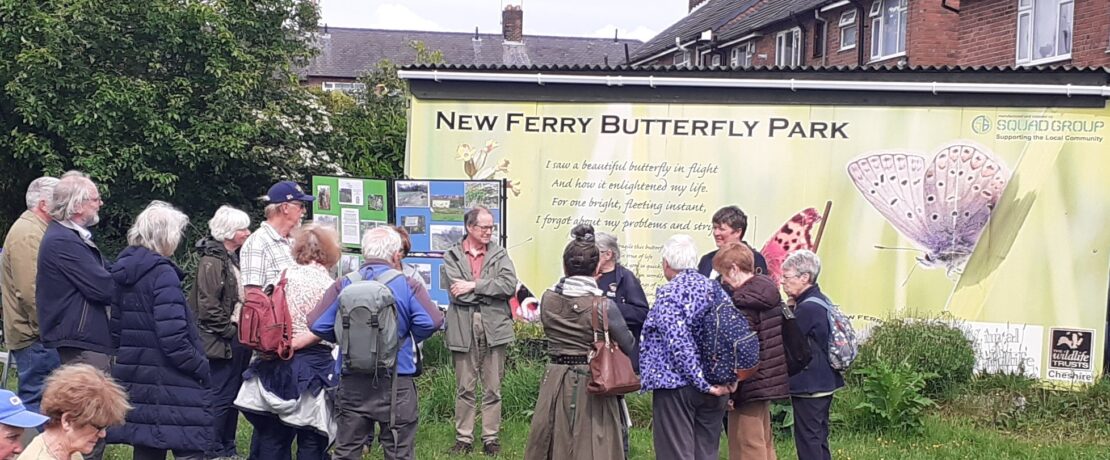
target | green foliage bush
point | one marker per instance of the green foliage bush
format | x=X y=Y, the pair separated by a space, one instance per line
x=892 y=396
x=925 y=345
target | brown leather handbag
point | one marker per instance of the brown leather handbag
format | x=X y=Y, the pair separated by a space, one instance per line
x=610 y=369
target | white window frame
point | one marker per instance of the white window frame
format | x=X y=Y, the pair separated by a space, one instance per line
x=715 y=60
x=741 y=55
x=848 y=23
x=682 y=59
x=343 y=86
x=795 y=58
x=879 y=25
x=1027 y=12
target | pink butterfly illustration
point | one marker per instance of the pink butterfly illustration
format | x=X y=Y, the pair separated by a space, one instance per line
x=795 y=234
x=941 y=206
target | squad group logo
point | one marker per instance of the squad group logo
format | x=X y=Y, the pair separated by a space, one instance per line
x=1071 y=357
x=1044 y=127
x=981 y=124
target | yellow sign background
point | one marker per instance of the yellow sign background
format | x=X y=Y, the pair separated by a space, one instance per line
x=1041 y=261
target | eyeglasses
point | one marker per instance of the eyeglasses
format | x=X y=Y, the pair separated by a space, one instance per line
x=787 y=277
x=484 y=228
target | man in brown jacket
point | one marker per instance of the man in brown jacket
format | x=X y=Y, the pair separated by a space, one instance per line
x=479 y=327
x=18 y=267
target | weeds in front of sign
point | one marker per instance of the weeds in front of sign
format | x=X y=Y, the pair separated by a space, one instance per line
x=926 y=345
x=893 y=396
x=1021 y=405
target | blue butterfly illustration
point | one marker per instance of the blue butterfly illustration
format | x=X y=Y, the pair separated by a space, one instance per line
x=943 y=206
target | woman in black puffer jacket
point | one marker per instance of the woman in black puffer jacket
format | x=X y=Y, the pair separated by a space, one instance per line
x=749 y=423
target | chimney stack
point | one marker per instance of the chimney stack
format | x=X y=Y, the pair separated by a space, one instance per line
x=695 y=3
x=512 y=23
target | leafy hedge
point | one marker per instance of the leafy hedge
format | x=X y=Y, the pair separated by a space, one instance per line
x=927 y=346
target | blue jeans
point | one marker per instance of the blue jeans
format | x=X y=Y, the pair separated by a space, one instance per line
x=33 y=363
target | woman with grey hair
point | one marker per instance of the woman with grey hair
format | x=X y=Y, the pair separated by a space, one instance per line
x=621 y=285
x=215 y=299
x=161 y=361
x=811 y=390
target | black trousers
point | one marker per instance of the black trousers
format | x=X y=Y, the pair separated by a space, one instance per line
x=686 y=423
x=811 y=427
x=227 y=377
x=273 y=440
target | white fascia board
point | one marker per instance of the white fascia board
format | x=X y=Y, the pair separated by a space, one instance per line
x=791 y=84
x=835 y=5
x=743 y=39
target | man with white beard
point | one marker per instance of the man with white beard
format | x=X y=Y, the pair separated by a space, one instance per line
x=73 y=286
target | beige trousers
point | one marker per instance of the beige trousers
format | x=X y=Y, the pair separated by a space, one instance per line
x=749 y=432
x=486 y=363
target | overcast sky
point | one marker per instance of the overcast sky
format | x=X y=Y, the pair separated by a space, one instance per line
x=639 y=19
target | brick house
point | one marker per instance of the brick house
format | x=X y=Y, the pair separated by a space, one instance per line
x=347 y=53
x=918 y=33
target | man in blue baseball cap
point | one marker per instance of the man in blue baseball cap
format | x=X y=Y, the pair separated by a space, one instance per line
x=269 y=250
x=14 y=418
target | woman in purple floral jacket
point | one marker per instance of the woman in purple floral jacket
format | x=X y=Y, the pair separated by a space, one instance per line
x=687 y=411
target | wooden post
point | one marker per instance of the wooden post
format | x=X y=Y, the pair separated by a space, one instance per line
x=821 y=229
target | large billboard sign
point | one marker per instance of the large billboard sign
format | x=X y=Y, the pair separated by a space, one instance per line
x=996 y=216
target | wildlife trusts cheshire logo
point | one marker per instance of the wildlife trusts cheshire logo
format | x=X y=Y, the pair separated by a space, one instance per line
x=1071 y=357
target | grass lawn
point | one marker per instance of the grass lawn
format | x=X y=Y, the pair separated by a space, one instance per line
x=941 y=439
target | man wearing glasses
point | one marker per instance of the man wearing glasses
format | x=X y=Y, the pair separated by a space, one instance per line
x=479 y=327
x=73 y=287
x=269 y=250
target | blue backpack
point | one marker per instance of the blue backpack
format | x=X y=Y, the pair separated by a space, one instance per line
x=727 y=345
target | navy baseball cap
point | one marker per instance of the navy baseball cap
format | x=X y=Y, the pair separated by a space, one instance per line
x=286 y=191
x=12 y=412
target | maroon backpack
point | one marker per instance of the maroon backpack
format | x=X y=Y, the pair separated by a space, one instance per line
x=265 y=324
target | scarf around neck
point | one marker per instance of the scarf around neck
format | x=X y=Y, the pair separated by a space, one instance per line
x=577 y=286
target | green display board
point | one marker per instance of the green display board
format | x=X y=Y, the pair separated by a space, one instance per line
x=350 y=205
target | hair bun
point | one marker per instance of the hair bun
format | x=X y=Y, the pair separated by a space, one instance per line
x=583 y=232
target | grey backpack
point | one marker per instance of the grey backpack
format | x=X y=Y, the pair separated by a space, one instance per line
x=367 y=324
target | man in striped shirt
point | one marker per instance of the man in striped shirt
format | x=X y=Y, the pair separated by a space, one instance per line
x=269 y=250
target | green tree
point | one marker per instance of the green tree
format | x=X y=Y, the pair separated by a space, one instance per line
x=196 y=102
x=374 y=122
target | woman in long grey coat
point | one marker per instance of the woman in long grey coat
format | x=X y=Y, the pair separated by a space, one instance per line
x=569 y=422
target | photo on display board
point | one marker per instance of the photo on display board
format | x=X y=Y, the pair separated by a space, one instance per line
x=447 y=208
x=415 y=225
x=485 y=194
x=425 y=271
x=445 y=236
x=444 y=282
x=364 y=225
x=323 y=220
x=375 y=202
x=323 y=197
x=350 y=192
x=412 y=194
